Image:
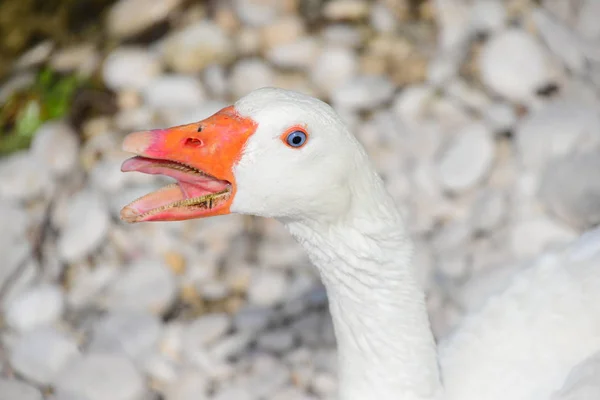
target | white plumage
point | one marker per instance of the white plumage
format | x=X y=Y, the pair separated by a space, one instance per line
x=521 y=345
x=536 y=339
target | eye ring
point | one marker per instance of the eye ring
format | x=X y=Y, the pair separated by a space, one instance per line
x=296 y=138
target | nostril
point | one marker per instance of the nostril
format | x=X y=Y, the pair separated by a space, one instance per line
x=193 y=142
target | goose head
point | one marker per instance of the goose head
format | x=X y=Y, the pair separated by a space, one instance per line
x=274 y=153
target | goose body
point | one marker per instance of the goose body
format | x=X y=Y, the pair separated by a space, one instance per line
x=284 y=155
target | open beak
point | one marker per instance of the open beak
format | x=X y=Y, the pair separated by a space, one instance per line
x=200 y=157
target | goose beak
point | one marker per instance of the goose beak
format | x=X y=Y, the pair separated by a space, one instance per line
x=200 y=157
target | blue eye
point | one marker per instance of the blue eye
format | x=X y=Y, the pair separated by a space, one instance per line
x=296 y=139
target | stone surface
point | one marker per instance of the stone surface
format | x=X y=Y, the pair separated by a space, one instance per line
x=130 y=17
x=85 y=226
x=120 y=379
x=333 y=68
x=196 y=46
x=132 y=333
x=250 y=74
x=267 y=288
x=363 y=93
x=570 y=190
x=130 y=68
x=37 y=306
x=174 y=91
x=41 y=354
x=146 y=285
x=514 y=65
x=557 y=129
x=467 y=159
x=22 y=177
x=56 y=146
x=13 y=389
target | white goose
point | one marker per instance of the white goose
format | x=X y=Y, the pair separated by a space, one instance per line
x=285 y=155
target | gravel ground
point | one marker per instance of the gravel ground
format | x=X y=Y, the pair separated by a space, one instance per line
x=483 y=117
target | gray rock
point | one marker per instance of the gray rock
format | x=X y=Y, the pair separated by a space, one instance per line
x=256 y=13
x=382 y=19
x=344 y=35
x=514 y=64
x=132 y=333
x=489 y=211
x=85 y=227
x=277 y=341
x=556 y=130
x=561 y=40
x=146 y=285
x=196 y=46
x=587 y=23
x=206 y=329
x=570 y=189
x=364 y=92
x=250 y=74
x=191 y=385
x=40 y=305
x=119 y=379
x=55 y=144
x=41 y=354
x=467 y=160
x=174 y=91
x=12 y=389
x=130 y=68
x=488 y=15
x=531 y=237
x=22 y=176
x=130 y=17
x=88 y=284
x=299 y=54
x=334 y=67
x=267 y=287
x=252 y=319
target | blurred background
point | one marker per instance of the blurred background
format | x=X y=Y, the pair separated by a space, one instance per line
x=483 y=117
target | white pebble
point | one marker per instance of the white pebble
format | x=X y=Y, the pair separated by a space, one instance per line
x=267 y=287
x=207 y=329
x=196 y=46
x=467 y=160
x=132 y=333
x=531 y=237
x=40 y=305
x=56 y=145
x=514 y=64
x=146 y=285
x=364 y=92
x=556 y=130
x=174 y=91
x=101 y=377
x=11 y=389
x=333 y=68
x=130 y=68
x=489 y=211
x=250 y=74
x=299 y=54
x=130 y=17
x=41 y=354
x=191 y=385
x=256 y=12
x=22 y=176
x=86 y=226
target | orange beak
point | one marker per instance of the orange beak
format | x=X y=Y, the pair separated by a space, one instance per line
x=199 y=156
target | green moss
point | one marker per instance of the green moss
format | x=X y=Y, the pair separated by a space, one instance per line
x=48 y=98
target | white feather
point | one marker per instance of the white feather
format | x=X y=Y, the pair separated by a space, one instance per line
x=530 y=341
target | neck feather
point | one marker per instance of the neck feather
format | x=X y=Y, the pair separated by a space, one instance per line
x=386 y=348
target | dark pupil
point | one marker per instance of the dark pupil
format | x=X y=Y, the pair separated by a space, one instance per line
x=296 y=139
